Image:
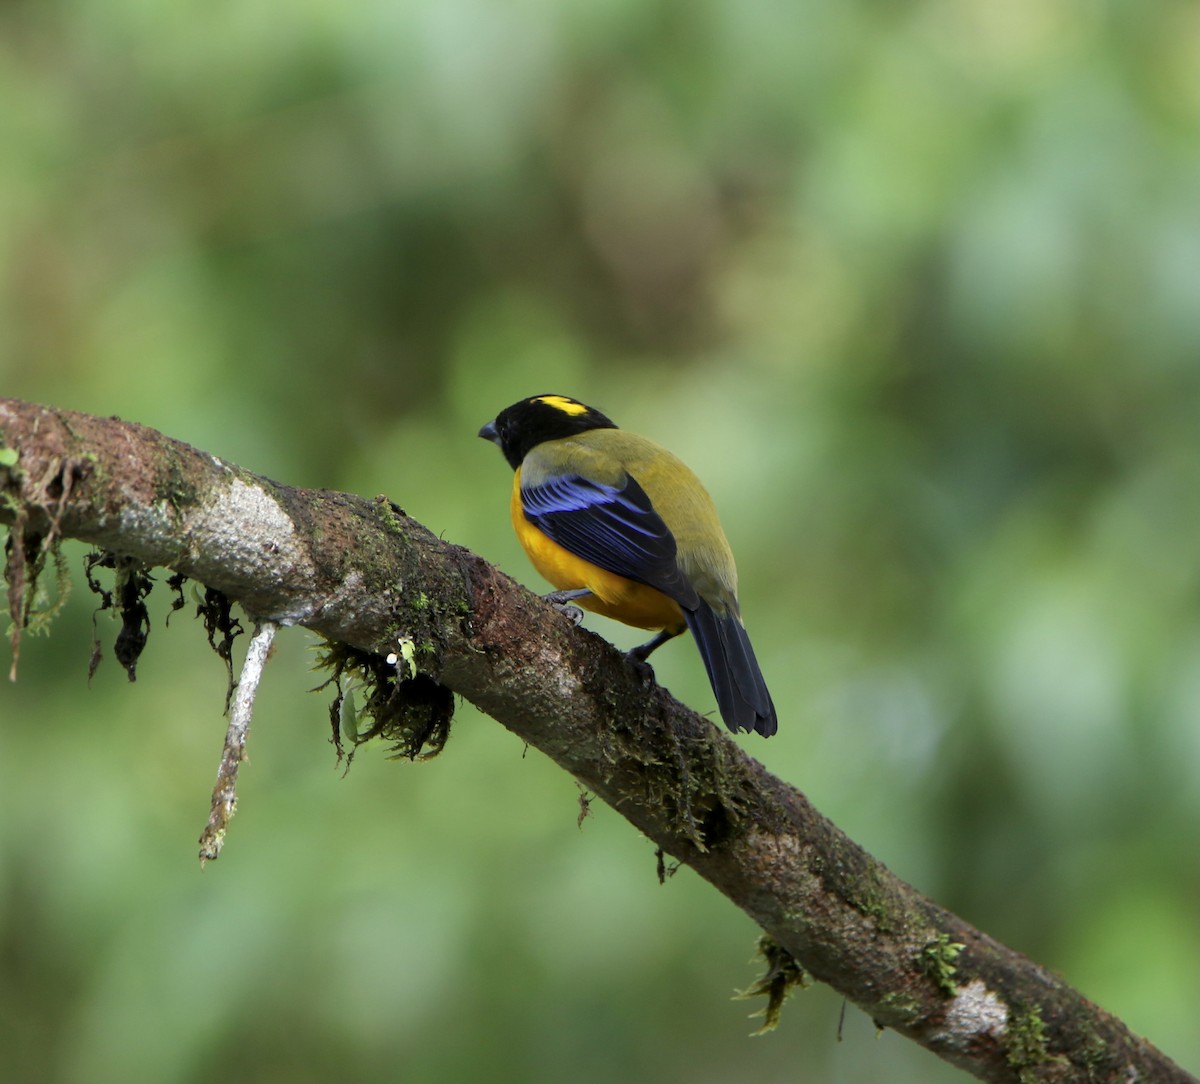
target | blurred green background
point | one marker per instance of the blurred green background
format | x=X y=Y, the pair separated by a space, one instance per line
x=913 y=287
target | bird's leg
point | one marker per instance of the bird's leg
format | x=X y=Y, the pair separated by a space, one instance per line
x=557 y=598
x=561 y=601
x=642 y=652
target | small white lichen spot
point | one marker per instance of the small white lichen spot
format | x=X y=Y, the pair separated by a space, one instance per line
x=973 y=1011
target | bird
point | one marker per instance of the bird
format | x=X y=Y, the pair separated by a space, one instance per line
x=622 y=527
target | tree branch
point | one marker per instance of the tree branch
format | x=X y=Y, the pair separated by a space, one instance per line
x=365 y=575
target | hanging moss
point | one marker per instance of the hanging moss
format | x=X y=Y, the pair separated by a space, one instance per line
x=783 y=975
x=400 y=704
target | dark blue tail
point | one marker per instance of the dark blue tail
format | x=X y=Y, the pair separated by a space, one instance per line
x=733 y=670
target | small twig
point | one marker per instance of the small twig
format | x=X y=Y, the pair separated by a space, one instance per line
x=224 y=797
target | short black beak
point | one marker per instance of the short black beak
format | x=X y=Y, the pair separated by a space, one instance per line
x=489 y=432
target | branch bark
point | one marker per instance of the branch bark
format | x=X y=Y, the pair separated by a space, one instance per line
x=363 y=574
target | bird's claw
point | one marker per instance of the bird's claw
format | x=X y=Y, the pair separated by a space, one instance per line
x=572 y=613
x=638 y=655
x=561 y=601
x=641 y=667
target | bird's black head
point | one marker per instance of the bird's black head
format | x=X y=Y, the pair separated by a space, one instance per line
x=526 y=424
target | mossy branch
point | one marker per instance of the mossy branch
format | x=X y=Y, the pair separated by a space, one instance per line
x=382 y=586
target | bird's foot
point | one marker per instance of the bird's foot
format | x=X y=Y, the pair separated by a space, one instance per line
x=572 y=613
x=561 y=601
x=638 y=656
x=641 y=667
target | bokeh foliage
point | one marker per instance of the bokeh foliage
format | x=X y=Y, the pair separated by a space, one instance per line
x=912 y=286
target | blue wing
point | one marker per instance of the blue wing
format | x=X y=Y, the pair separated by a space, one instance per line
x=613 y=527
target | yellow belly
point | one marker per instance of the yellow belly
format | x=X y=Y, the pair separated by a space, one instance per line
x=611 y=595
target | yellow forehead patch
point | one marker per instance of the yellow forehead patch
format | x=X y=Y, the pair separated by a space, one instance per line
x=561 y=402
